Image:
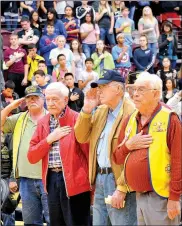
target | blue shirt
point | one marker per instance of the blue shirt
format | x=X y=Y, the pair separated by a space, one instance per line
x=125 y=61
x=102 y=149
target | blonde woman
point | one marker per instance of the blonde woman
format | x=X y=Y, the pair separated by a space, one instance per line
x=117 y=7
x=148 y=25
x=105 y=19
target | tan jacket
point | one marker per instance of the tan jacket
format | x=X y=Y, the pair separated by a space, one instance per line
x=88 y=128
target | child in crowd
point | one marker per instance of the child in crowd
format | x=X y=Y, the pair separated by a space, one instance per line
x=121 y=54
x=8 y=96
x=76 y=96
x=40 y=79
x=46 y=44
x=59 y=72
x=88 y=76
x=71 y=24
x=126 y=25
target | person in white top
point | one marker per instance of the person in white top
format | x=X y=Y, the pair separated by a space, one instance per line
x=88 y=76
x=70 y=63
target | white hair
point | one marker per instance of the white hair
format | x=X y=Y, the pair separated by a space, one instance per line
x=154 y=80
x=58 y=87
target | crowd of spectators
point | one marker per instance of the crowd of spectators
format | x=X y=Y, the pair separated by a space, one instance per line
x=75 y=42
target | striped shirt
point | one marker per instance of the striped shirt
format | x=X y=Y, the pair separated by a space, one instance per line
x=54 y=154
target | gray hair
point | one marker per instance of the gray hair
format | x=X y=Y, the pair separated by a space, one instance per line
x=60 y=36
x=58 y=87
x=154 y=80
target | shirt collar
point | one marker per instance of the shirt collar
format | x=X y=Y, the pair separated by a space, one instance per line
x=116 y=110
x=60 y=116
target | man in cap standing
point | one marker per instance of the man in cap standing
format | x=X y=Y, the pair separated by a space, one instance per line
x=101 y=130
x=23 y=125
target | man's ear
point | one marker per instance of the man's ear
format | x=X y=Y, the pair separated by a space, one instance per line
x=66 y=100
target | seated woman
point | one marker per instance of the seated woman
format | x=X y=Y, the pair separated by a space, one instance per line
x=170 y=90
x=102 y=59
x=89 y=32
x=167 y=72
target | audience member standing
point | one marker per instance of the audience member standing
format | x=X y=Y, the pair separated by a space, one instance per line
x=89 y=32
x=105 y=20
x=167 y=72
x=29 y=6
x=168 y=44
x=58 y=24
x=28 y=35
x=71 y=24
x=79 y=57
x=170 y=89
x=143 y=57
x=61 y=41
x=125 y=25
x=46 y=44
x=148 y=25
x=82 y=10
x=102 y=59
x=121 y=54
x=117 y=7
x=35 y=21
x=88 y=76
x=76 y=96
x=16 y=60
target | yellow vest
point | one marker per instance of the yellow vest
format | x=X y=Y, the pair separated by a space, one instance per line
x=17 y=135
x=158 y=153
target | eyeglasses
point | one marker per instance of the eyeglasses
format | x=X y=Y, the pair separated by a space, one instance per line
x=141 y=90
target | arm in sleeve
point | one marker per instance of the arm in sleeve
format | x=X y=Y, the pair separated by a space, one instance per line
x=175 y=148
x=45 y=48
x=121 y=151
x=152 y=60
x=83 y=127
x=38 y=148
x=138 y=65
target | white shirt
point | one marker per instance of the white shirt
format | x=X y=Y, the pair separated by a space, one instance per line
x=83 y=76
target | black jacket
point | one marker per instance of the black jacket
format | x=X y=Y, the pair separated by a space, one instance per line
x=77 y=104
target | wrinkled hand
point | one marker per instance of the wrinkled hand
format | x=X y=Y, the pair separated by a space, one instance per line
x=74 y=97
x=139 y=141
x=58 y=133
x=91 y=101
x=13 y=187
x=24 y=82
x=173 y=209
x=118 y=198
x=16 y=103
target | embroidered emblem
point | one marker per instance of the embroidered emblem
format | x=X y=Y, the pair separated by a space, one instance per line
x=159 y=127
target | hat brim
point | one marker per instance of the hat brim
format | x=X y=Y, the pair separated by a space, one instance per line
x=34 y=94
x=99 y=82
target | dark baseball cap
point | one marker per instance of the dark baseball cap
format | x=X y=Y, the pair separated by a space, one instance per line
x=108 y=76
x=33 y=91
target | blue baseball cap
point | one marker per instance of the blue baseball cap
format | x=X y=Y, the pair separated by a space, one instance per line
x=108 y=76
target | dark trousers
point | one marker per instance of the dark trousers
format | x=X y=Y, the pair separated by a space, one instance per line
x=74 y=210
x=17 y=79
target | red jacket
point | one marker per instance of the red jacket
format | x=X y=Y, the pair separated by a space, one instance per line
x=74 y=156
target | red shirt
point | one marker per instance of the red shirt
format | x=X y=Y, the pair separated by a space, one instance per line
x=137 y=169
x=18 y=65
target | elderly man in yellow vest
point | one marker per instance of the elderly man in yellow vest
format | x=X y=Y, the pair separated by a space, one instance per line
x=23 y=125
x=100 y=126
x=150 y=149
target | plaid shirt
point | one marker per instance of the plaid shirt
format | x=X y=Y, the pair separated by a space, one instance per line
x=54 y=154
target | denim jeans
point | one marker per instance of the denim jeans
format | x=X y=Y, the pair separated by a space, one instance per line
x=88 y=49
x=132 y=12
x=74 y=210
x=8 y=219
x=11 y=23
x=104 y=214
x=153 y=47
x=104 y=32
x=34 y=201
